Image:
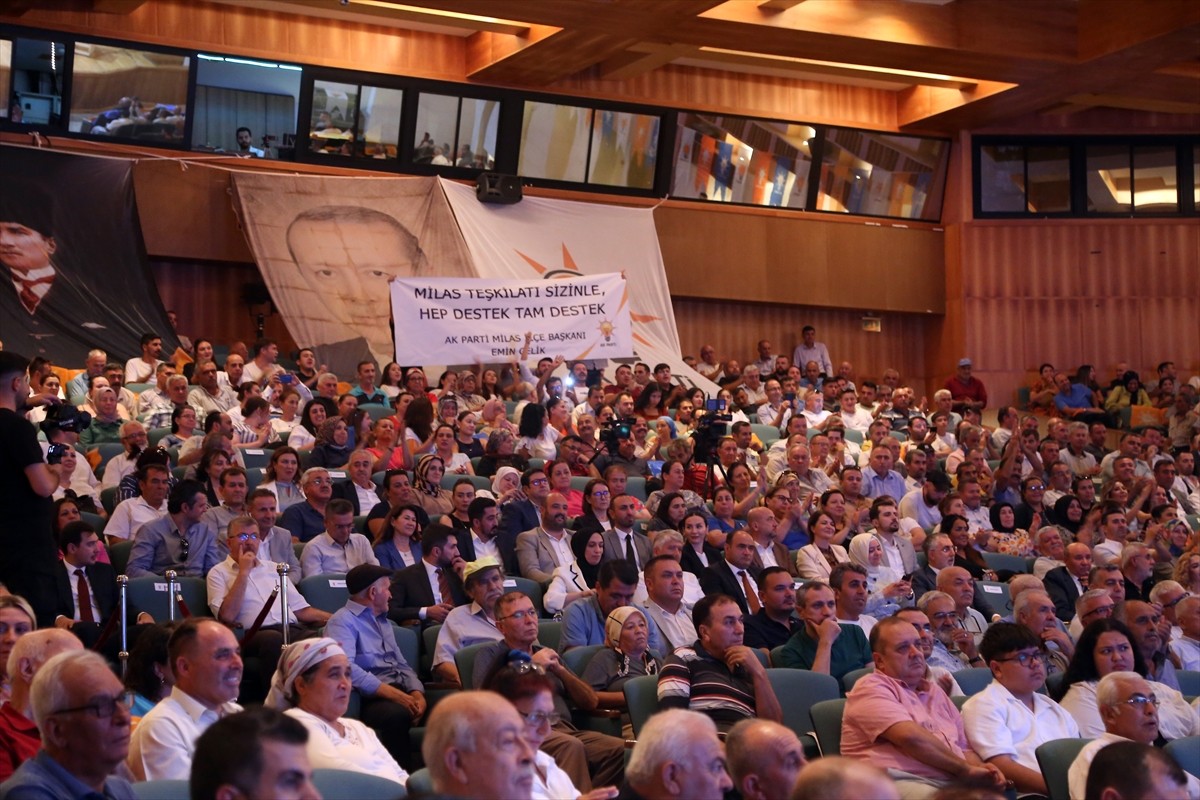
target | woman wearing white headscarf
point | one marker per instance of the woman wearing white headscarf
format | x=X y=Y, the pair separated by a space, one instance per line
x=312 y=684
x=886 y=586
x=506 y=484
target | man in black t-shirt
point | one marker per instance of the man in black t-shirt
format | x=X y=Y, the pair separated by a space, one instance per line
x=28 y=553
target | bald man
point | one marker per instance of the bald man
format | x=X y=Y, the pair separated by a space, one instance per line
x=764 y=759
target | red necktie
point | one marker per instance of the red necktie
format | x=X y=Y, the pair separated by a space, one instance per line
x=443 y=585
x=85 y=597
x=751 y=595
x=29 y=298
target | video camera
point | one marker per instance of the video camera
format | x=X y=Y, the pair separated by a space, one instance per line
x=613 y=431
x=711 y=426
x=65 y=417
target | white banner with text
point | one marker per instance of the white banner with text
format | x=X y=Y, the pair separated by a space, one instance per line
x=460 y=320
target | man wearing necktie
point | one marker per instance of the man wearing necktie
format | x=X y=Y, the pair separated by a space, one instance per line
x=86 y=590
x=622 y=541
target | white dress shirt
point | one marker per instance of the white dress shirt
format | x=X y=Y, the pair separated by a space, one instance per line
x=165 y=739
x=357 y=748
x=73 y=579
x=264 y=578
x=131 y=514
x=999 y=724
x=677 y=627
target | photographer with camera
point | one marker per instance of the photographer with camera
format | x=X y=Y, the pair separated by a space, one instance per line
x=26 y=485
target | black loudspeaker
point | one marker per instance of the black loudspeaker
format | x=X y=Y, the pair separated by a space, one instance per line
x=492 y=187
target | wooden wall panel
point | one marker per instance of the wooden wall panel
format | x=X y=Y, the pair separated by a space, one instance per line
x=745 y=95
x=1079 y=291
x=735 y=328
x=208 y=299
x=723 y=253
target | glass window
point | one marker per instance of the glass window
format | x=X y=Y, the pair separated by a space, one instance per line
x=238 y=93
x=1155 y=185
x=477 y=124
x=624 y=149
x=437 y=122
x=379 y=122
x=334 y=109
x=882 y=175
x=10 y=106
x=32 y=71
x=124 y=93
x=1109 y=182
x=742 y=160
x=458 y=131
x=1049 y=171
x=554 y=142
x=1002 y=179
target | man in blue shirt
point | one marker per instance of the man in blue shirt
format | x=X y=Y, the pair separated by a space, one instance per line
x=179 y=540
x=1076 y=401
x=583 y=620
x=366 y=391
x=392 y=695
x=79 y=706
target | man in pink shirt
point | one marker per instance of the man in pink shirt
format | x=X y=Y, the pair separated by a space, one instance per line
x=905 y=724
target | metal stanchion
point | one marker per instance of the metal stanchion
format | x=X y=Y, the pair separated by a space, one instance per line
x=123 y=655
x=171 y=589
x=282 y=569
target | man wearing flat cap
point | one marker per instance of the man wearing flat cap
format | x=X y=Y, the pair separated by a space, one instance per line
x=393 y=699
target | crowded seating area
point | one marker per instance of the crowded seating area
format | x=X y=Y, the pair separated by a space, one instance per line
x=556 y=579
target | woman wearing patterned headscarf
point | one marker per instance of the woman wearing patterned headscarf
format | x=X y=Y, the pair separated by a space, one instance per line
x=427 y=480
x=312 y=684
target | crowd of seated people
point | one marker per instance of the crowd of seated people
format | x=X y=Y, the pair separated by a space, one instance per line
x=826 y=524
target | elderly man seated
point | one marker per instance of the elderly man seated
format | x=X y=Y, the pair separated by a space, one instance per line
x=1129 y=710
x=474 y=623
x=392 y=695
x=475 y=746
x=764 y=759
x=677 y=755
x=19 y=737
x=899 y=721
x=79 y=705
x=1007 y=721
x=718 y=674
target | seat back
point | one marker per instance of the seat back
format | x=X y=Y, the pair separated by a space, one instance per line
x=409 y=643
x=550 y=634
x=641 y=696
x=997 y=596
x=464 y=660
x=826 y=718
x=1189 y=682
x=326 y=592
x=1001 y=561
x=531 y=588
x=973 y=680
x=797 y=690
x=376 y=411
x=1055 y=758
x=1186 y=752
x=162 y=790
x=118 y=555
x=420 y=783
x=95 y=520
x=851 y=678
x=428 y=643
x=577 y=658
x=149 y=594
x=195 y=595
x=344 y=784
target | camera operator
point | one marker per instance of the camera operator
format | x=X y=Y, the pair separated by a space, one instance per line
x=28 y=554
x=618 y=449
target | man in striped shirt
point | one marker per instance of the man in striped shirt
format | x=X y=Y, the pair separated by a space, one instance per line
x=718 y=675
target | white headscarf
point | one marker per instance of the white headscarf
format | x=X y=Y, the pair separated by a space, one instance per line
x=860 y=554
x=295 y=661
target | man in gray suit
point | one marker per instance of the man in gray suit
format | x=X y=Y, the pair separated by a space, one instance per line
x=621 y=541
x=540 y=550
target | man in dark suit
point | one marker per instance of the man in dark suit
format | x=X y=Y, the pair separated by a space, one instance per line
x=85 y=591
x=426 y=592
x=518 y=516
x=358 y=487
x=939 y=555
x=1066 y=583
x=735 y=574
x=622 y=540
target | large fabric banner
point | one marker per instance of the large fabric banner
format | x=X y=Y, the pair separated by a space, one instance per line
x=327 y=248
x=464 y=319
x=552 y=239
x=73 y=271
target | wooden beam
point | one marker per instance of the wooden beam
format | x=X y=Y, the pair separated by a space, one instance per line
x=641 y=59
x=778 y=5
x=807 y=67
x=1134 y=102
x=117 y=6
x=1085 y=78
